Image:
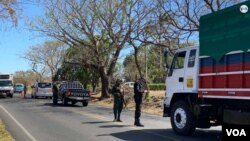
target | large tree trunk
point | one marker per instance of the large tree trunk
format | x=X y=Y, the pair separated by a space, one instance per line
x=105 y=79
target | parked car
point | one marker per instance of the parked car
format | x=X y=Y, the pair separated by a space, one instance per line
x=42 y=89
x=18 y=88
x=72 y=91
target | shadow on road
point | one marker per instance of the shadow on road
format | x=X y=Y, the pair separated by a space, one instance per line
x=115 y=126
x=96 y=122
x=60 y=105
x=165 y=135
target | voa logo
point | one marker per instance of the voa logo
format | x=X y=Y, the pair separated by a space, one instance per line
x=243 y=8
x=236 y=132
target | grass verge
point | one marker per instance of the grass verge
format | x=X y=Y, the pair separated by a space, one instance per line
x=4 y=134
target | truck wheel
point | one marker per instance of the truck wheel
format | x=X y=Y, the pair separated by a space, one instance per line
x=182 y=119
x=85 y=103
x=65 y=101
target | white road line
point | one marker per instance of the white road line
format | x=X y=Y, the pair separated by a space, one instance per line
x=20 y=125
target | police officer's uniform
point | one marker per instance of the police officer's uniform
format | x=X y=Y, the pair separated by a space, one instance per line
x=118 y=101
x=138 y=93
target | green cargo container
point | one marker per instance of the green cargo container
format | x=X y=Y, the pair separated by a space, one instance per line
x=225 y=31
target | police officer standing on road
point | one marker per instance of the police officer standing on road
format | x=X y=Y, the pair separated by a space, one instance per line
x=55 y=93
x=24 y=91
x=118 y=100
x=138 y=92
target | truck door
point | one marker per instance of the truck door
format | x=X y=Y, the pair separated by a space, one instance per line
x=175 y=80
x=191 y=71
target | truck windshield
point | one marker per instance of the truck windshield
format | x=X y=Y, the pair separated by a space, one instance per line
x=5 y=83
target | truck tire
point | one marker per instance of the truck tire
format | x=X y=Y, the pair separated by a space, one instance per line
x=65 y=101
x=85 y=103
x=182 y=119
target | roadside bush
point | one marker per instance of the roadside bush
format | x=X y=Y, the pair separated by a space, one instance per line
x=159 y=86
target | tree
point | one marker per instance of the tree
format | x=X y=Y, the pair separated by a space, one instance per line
x=46 y=56
x=72 y=69
x=129 y=66
x=8 y=10
x=183 y=16
x=101 y=28
x=26 y=77
x=172 y=24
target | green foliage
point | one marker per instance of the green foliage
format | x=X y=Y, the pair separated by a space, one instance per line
x=73 y=69
x=159 y=86
x=75 y=72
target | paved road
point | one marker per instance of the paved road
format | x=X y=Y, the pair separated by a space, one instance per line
x=39 y=120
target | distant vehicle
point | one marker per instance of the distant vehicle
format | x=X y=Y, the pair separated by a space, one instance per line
x=18 y=88
x=6 y=85
x=42 y=89
x=72 y=91
x=128 y=84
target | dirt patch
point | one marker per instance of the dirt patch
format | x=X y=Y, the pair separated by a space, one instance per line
x=4 y=134
x=153 y=104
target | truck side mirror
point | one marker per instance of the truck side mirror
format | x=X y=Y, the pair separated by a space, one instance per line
x=166 y=51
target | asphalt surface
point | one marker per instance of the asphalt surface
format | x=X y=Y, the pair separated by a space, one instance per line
x=39 y=120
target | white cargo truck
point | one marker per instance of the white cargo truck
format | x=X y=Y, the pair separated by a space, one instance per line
x=209 y=85
x=6 y=85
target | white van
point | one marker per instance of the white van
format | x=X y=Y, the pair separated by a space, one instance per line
x=42 y=89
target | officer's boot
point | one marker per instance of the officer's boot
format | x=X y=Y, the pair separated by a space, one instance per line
x=115 y=118
x=138 y=123
x=118 y=119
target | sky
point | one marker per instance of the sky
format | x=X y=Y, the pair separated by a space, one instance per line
x=15 y=41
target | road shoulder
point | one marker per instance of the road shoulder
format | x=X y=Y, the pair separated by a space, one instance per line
x=4 y=134
x=17 y=131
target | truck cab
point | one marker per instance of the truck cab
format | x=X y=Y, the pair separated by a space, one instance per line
x=6 y=85
x=182 y=76
x=182 y=89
